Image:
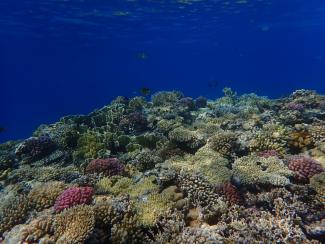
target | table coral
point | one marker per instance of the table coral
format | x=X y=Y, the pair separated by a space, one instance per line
x=259 y=170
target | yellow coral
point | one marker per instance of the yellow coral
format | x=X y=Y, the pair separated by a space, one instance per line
x=44 y=196
x=74 y=225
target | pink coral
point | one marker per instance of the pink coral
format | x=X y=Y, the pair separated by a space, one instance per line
x=304 y=168
x=73 y=196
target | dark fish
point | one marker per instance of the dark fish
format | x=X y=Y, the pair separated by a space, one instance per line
x=2 y=129
x=213 y=84
x=144 y=91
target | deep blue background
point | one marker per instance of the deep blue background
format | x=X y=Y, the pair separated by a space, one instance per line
x=67 y=57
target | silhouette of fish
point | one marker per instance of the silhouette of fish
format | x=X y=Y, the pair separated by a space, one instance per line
x=2 y=129
x=144 y=91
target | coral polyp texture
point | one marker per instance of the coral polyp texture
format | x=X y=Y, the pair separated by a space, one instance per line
x=107 y=167
x=304 y=168
x=73 y=196
x=171 y=169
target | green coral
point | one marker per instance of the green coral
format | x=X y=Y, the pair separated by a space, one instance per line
x=253 y=169
x=205 y=161
x=223 y=142
x=186 y=138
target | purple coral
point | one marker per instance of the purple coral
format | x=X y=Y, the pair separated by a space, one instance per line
x=73 y=196
x=35 y=148
x=295 y=106
x=268 y=153
x=304 y=168
x=107 y=167
x=133 y=122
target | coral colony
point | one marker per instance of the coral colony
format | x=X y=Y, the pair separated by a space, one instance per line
x=177 y=170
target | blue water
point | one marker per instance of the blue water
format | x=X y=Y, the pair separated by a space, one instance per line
x=60 y=57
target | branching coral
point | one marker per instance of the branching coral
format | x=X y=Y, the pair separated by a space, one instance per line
x=13 y=211
x=223 y=142
x=44 y=196
x=74 y=225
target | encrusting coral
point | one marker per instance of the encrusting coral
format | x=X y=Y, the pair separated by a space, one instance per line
x=171 y=169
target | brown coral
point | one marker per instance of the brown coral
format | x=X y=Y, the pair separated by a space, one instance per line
x=232 y=194
x=40 y=230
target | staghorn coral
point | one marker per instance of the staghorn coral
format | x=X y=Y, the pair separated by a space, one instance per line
x=44 y=196
x=166 y=98
x=300 y=140
x=253 y=169
x=73 y=196
x=107 y=167
x=304 y=167
x=74 y=225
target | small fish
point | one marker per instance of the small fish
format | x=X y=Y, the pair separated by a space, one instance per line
x=142 y=55
x=144 y=91
x=2 y=129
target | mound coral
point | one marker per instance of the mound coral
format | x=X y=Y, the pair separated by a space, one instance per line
x=185 y=138
x=253 y=169
x=73 y=196
x=304 y=167
x=223 y=142
x=107 y=167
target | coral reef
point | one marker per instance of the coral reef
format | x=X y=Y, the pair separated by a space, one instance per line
x=171 y=169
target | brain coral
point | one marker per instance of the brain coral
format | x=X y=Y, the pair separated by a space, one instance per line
x=304 y=168
x=253 y=169
x=73 y=196
x=44 y=196
x=107 y=166
x=74 y=225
